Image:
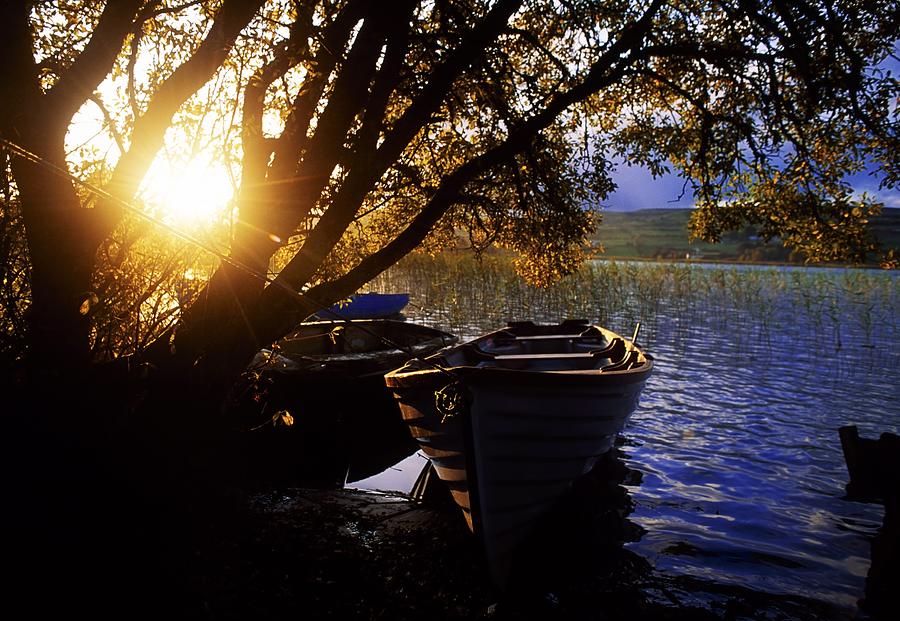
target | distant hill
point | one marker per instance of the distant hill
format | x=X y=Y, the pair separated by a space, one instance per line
x=663 y=234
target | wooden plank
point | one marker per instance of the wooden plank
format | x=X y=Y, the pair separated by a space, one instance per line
x=551 y=356
x=551 y=337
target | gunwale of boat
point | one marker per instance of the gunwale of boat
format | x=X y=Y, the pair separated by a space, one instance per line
x=439 y=363
x=302 y=343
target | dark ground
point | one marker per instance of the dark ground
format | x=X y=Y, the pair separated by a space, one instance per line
x=350 y=554
x=113 y=526
x=300 y=553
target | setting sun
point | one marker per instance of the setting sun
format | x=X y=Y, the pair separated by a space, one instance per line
x=193 y=195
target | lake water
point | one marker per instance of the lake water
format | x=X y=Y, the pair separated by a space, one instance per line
x=736 y=434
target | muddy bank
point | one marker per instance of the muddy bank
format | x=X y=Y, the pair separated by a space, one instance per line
x=85 y=535
x=352 y=554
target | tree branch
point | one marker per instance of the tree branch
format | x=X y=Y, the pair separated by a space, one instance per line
x=291 y=145
x=150 y=129
x=361 y=179
x=150 y=11
x=256 y=154
x=279 y=309
x=19 y=87
x=531 y=39
x=110 y=123
x=77 y=83
x=271 y=213
x=347 y=99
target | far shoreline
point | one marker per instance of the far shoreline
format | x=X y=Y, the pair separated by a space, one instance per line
x=626 y=259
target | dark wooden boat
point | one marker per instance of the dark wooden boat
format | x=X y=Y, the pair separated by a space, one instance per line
x=511 y=419
x=328 y=377
x=350 y=349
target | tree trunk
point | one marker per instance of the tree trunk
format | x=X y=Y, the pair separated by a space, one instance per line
x=62 y=263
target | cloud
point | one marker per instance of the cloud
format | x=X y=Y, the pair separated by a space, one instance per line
x=637 y=189
x=891 y=200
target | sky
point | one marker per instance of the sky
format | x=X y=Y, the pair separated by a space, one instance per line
x=637 y=189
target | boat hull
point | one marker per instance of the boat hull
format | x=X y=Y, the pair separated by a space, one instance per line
x=520 y=441
x=328 y=377
x=348 y=350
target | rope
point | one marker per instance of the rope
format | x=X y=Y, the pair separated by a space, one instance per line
x=191 y=239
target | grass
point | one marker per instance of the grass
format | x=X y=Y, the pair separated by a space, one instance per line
x=663 y=233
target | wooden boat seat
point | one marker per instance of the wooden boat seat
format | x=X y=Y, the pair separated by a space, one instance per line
x=569 y=326
x=585 y=354
x=553 y=337
x=616 y=353
x=569 y=329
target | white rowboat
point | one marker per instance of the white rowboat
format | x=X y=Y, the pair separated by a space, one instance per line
x=511 y=419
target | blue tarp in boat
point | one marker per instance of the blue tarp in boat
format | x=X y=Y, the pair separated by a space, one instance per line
x=367 y=306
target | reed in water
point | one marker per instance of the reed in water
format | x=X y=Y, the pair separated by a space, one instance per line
x=468 y=295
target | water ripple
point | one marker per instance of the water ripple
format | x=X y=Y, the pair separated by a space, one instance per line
x=744 y=475
x=736 y=434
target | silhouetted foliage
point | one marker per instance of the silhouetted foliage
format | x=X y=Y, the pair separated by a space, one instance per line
x=356 y=134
